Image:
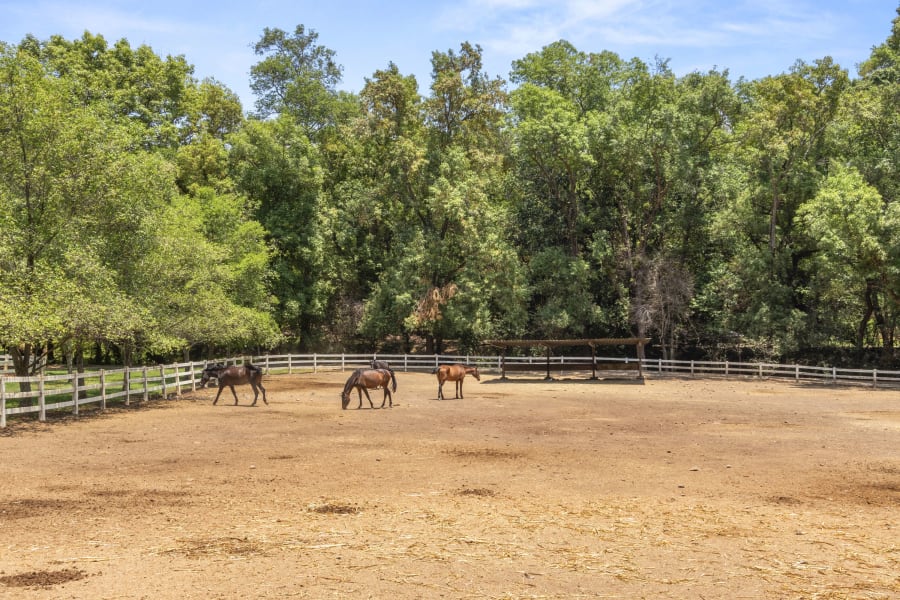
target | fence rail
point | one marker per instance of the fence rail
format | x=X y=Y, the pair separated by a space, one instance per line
x=75 y=390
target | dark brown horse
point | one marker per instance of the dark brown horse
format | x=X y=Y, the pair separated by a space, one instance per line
x=364 y=380
x=380 y=364
x=455 y=373
x=232 y=376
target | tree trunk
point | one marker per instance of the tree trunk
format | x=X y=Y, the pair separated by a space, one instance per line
x=21 y=357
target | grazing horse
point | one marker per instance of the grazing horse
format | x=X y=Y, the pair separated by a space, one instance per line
x=380 y=364
x=235 y=375
x=455 y=373
x=364 y=380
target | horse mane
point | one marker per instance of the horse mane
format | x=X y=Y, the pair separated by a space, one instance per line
x=351 y=381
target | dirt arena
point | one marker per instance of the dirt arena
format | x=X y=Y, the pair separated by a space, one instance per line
x=524 y=489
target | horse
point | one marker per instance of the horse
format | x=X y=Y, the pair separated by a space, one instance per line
x=364 y=380
x=457 y=373
x=381 y=364
x=235 y=375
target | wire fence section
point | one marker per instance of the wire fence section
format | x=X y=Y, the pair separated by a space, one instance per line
x=72 y=391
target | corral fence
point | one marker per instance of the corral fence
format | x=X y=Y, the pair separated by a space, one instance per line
x=72 y=391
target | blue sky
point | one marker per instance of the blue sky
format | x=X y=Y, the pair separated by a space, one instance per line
x=751 y=38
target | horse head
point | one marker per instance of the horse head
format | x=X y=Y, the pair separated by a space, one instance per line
x=210 y=372
x=475 y=374
x=345 y=400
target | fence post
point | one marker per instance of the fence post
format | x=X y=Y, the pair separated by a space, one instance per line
x=2 y=402
x=759 y=368
x=290 y=364
x=659 y=365
x=343 y=358
x=146 y=386
x=42 y=401
x=834 y=375
x=692 y=368
x=796 y=372
x=126 y=385
x=405 y=363
x=726 y=368
x=315 y=365
x=102 y=389
x=162 y=379
x=267 y=364
x=874 y=378
x=75 y=393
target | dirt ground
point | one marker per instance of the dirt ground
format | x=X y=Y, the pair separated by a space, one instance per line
x=524 y=489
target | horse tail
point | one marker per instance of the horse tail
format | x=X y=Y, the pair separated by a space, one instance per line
x=393 y=379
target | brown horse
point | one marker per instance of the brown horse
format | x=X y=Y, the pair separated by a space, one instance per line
x=364 y=380
x=235 y=375
x=455 y=373
x=380 y=364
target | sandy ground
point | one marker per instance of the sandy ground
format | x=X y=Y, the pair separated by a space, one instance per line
x=524 y=489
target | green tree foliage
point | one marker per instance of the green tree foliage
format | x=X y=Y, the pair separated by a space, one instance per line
x=783 y=148
x=141 y=210
x=856 y=286
x=449 y=270
x=277 y=166
x=296 y=77
x=100 y=245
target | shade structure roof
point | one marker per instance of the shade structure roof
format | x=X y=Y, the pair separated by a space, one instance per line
x=576 y=342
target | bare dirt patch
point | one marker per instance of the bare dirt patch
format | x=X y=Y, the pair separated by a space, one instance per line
x=42 y=579
x=524 y=489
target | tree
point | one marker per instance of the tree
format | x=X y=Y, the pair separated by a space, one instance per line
x=466 y=105
x=451 y=271
x=278 y=169
x=856 y=263
x=552 y=149
x=56 y=163
x=783 y=148
x=95 y=229
x=296 y=77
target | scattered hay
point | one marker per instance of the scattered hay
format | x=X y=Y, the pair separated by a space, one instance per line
x=34 y=507
x=227 y=546
x=483 y=492
x=785 y=500
x=42 y=579
x=481 y=453
x=334 y=509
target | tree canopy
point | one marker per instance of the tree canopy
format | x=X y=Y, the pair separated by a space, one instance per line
x=143 y=213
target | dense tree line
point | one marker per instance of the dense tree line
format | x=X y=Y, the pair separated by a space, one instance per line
x=144 y=214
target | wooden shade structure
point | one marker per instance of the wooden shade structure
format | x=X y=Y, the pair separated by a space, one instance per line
x=638 y=343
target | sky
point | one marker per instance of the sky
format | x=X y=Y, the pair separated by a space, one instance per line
x=749 y=38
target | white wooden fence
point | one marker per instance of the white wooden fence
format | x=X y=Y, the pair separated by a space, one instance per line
x=75 y=390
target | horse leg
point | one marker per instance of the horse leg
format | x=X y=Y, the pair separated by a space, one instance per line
x=359 y=391
x=259 y=383
x=218 y=394
x=387 y=395
x=233 y=393
x=440 y=390
x=459 y=389
x=255 y=393
x=368 y=397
